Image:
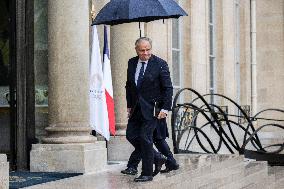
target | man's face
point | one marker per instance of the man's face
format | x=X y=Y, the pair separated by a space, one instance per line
x=143 y=50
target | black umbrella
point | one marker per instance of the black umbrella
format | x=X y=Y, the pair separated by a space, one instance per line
x=126 y=11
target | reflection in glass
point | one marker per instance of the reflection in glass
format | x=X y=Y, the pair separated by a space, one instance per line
x=41 y=66
x=4 y=43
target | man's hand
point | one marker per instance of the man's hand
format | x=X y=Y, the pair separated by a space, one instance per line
x=162 y=115
x=128 y=112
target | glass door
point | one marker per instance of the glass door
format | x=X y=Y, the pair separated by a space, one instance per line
x=7 y=78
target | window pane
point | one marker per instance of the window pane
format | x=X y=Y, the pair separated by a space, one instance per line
x=175 y=34
x=211 y=72
x=41 y=66
x=210 y=11
x=211 y=39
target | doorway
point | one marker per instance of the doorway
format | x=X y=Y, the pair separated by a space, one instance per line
x=16 y=82
x=7 y=84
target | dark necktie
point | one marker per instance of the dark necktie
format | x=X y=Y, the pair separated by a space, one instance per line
x=141 y=74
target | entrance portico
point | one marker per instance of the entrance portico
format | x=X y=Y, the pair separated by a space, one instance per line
x=68 y=146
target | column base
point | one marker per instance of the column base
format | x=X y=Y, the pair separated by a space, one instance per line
x=119 y=149
x=68 y=158
x=4 y=172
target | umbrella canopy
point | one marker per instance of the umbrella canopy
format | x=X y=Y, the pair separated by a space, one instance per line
x=126 y=11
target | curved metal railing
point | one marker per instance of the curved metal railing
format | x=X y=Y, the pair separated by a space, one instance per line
x=202 y=127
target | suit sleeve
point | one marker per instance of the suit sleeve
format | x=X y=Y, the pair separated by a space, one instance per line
x=128 y=90
x=167 y=87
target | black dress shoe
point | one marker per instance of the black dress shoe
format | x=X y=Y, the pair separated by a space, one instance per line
x=143 y=178
x=168 y=169
x=129 y=171
x=158 y=166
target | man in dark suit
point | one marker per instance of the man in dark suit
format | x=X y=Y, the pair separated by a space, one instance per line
x=148 y=84
x=159 y=136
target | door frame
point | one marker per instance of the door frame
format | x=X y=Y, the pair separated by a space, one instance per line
x=24 y=113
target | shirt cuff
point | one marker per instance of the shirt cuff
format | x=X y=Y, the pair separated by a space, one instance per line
x=165 y=111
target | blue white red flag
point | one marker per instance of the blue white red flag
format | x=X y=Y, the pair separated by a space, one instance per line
x=108 y=84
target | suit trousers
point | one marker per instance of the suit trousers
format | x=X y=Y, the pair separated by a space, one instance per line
x=139 y=133
x=164 y=148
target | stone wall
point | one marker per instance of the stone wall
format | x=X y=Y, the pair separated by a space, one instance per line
x=270 y=54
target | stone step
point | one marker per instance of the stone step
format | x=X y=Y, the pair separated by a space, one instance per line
x=192 y=167
x=221 y=177
x=255 y=176
x=279 y=184
x=276 y=171
x=276 y=175
x=208 y=162
x=231 y=175
x=203 y=164
x=197 y=171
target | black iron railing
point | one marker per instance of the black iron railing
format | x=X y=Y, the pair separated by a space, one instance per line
x=202 y=127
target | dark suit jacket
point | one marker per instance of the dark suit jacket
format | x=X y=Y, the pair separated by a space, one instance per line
x=156 y=86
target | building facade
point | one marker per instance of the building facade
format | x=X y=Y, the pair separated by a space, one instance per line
x=230 y=47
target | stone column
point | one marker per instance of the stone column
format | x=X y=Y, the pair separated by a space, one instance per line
x=68 y=147
x=122 y=41
x=4 y=172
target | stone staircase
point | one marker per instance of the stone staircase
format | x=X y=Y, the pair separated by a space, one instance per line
x=197 y=171
x=276 y=176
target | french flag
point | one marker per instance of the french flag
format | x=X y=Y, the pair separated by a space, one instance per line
x=108 y=84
